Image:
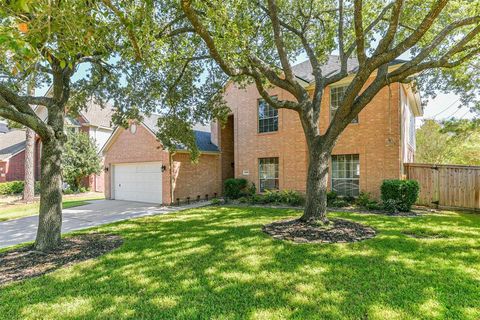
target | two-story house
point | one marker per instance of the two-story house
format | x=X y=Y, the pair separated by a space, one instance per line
x=267 y=146
x=93 y=120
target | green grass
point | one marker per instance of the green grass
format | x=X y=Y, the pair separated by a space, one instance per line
x=215 y=263
x=16 y=211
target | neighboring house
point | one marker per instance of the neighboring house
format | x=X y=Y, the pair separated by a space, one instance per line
x=268 y=147
x=93 y=120
x=138 y=168
x=12 y=155
x=270 y=150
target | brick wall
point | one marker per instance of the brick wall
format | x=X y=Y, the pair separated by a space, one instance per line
x=196 y=179
x=190 y=180
x=16 y=167
x=376 y=138
x=139 y=147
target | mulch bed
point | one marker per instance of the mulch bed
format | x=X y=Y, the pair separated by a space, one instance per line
x=26 y=263
x=338 y=231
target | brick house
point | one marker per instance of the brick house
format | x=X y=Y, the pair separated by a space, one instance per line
x=269 y=147
x=138 y=168
x=94 y=120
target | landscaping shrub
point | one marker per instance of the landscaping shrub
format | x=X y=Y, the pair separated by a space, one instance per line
x=400 y=193
x=331 y=197
x=215 y=202
x=366 y=201
x=390 y=205
x=235 y=188
x=12 y=187
x=339 y=203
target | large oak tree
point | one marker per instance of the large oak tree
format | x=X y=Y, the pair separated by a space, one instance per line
x=99 y=50
x=256 y=41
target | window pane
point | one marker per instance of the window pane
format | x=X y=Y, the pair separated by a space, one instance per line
x=346 y=174
x=336 y=97
x=268 y=173
x=267 y=117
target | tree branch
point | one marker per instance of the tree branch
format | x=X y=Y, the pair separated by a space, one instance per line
x=204 y=34
x=278 y=38
x=128 y=26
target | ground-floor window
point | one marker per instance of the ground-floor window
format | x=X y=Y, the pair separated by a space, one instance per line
x=268 y=173
x=346 y=174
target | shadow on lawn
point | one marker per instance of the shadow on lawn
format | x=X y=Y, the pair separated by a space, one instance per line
x=216 y=263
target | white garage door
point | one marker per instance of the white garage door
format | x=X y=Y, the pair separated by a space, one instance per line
x=138 y=182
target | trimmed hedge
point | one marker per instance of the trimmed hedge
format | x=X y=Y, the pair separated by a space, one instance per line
x=15 y=187
x=235 y=188
x=399 y=194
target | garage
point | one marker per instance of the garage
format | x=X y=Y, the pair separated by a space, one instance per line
x=140 y=182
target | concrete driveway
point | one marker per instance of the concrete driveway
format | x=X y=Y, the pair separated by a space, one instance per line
x=95 y=213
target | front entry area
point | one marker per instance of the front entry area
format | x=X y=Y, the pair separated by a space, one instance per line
x=141 y=182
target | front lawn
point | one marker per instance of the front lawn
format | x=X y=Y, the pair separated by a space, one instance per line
x=215 y=263
x=15 y=211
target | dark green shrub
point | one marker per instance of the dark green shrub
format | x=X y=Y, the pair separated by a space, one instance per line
x=235 y=188
x=349 y=199
x=272 y=196
x=243 y=200
x=390 y=205
x=291 y=197
x=331 y=197
x=404 y=193
x=12 y=187
x=339 y=203
x=373 y=205
x=363 y=199
x=215 y=202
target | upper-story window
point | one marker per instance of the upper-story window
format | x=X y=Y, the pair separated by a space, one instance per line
x=411 y=129
x=336 y=97
x=267 y=117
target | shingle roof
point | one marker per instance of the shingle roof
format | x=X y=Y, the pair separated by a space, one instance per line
x=11 y=143
x=95 y=115
x=203 y=138
x=304 y=69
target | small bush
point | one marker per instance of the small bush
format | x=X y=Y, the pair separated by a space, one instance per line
x=243 y=200
x=235 y=188
x=12 y=187
x=366 y=201
x=390 y=205
x=373 y=205
x=349 y=199
x=403 y=193
x=331 y=197
x=215 y=202
x=339 y=203
x=363 y=199
x=68 y=191
x=291 y=197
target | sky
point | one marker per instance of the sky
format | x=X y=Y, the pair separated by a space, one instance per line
x=443 y=107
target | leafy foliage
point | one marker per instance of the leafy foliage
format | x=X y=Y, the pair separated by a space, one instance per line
x=15 y=187
x=80 y=159
x=235 y=188
x=399 y=194
x=449 y=142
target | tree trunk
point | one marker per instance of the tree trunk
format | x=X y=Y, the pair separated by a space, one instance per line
x=317 y=183
x=50 y=219
x=29 y=184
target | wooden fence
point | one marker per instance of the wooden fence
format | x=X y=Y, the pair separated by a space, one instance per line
x=446 y=185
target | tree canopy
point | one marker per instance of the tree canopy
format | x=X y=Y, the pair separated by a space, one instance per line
x=448 y=142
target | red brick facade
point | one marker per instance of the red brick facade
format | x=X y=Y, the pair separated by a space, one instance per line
x=376 y=138
x=189 y=179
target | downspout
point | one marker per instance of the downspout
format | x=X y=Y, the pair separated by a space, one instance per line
x=172 y=192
